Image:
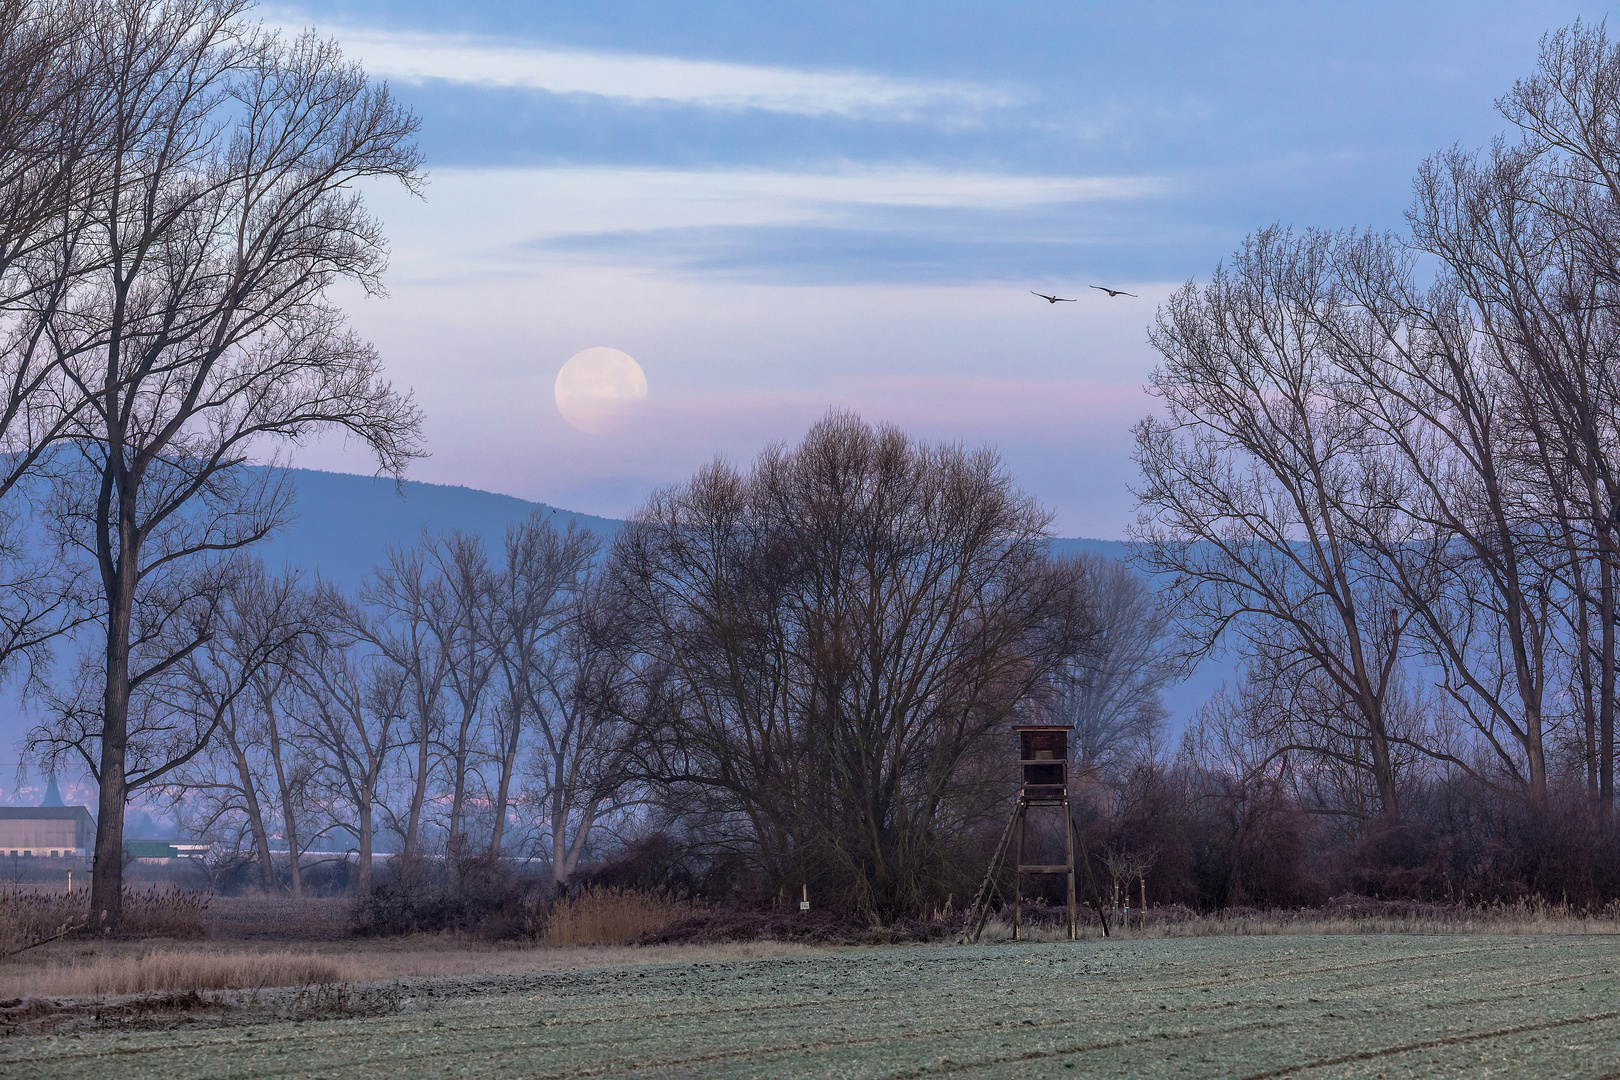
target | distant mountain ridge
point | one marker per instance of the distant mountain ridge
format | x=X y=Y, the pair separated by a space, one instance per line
x=345 y=524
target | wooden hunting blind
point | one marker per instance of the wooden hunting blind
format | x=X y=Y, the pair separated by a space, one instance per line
x=1043 y=767
x=1043 y=756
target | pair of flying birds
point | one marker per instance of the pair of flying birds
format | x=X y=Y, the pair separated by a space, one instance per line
x=1071 y=300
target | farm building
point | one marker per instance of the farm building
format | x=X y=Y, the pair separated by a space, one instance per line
x=49 y=830
x=163 y=851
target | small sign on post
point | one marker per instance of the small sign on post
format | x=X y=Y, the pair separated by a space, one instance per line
x=804 y=905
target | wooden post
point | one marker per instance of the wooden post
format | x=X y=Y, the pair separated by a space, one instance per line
x=1018 y=872
x=1068 y=843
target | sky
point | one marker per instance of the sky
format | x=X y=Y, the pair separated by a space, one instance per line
x=780 y=209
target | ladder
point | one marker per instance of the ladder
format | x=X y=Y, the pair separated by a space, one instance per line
x=1012 y=836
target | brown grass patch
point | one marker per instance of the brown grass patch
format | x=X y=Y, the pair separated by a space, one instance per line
x=164 y=912
x=179 y=971
x=70 y=970
x=1340 y=916
x=609 y=916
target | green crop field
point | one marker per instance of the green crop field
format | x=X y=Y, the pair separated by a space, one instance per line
x=1368 y=1006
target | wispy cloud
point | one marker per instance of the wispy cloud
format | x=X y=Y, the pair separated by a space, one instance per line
x=563 y=201
x=491 y=220
x=645 y=79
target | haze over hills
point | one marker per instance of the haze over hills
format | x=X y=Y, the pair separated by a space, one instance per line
x=346 y=524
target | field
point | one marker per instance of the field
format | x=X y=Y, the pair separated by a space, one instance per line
x=1315 y=1006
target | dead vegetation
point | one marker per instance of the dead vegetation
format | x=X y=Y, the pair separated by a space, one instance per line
x=610 y=915
x=31 y=918
x=40 y=1014
x=180 y=971
x=1339 y=916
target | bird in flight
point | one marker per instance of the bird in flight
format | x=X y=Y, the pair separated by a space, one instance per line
x=1053 y=299
x=1113 y=292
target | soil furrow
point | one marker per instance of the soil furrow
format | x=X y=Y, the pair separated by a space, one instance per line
x=1429 y=1044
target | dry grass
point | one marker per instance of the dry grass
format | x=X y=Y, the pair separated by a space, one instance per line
x=279 y=918
x=164 y=912
x=1528 y=917
x=171 y=970
x=118 y=968
x=28 y=919
x=610 y=916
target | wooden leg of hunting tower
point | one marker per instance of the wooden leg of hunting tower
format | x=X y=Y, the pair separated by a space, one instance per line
x=1091 y=882
x=1068 y=836
x=979 y=913
x=1018 y=873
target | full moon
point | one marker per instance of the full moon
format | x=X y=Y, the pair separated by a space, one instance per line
x=599 y=389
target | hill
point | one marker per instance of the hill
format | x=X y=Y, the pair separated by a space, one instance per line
x=346 y=524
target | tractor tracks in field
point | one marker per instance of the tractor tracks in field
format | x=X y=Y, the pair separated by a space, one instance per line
x=1429 y=1044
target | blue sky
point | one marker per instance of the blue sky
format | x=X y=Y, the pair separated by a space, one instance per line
x=782 y=208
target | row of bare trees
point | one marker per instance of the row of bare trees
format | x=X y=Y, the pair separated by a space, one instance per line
x=444 y=701
x=1388 y=471
x=177 y=201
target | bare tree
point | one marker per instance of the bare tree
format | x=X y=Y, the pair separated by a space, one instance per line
x=238 y=778
x=537 y=611
x=827 y=637
x=1553 y=292
x=1454 y=516
x=462 y=619
x=577 y=692
x=349 y=700
x=52 y=130
x=1110 y=692
x=228 y=213
x=393 y=613
x=1250 y=486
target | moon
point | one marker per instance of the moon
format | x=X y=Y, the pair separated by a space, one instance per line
x=600 y=389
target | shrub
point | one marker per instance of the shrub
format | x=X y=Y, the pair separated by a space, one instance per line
x=484 y=897
x=820 y=927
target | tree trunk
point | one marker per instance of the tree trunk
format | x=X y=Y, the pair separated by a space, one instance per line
x=289 y=826
x=503 y=790
x=107 y=871
x=255 y=816
x=458 y=799
x=424 y=756
x=364 y=879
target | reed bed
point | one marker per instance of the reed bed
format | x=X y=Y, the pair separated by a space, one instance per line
x=609 y=916
x=181 y=971
x=29 y=918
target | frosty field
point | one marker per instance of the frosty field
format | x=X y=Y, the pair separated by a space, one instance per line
x=1335 y=1006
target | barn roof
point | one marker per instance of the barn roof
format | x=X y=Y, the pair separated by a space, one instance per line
x=42 y=813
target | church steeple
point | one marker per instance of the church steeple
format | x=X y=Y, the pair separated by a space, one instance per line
x=53 y=797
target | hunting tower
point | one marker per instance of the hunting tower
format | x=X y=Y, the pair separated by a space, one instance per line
x=1043 y=772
